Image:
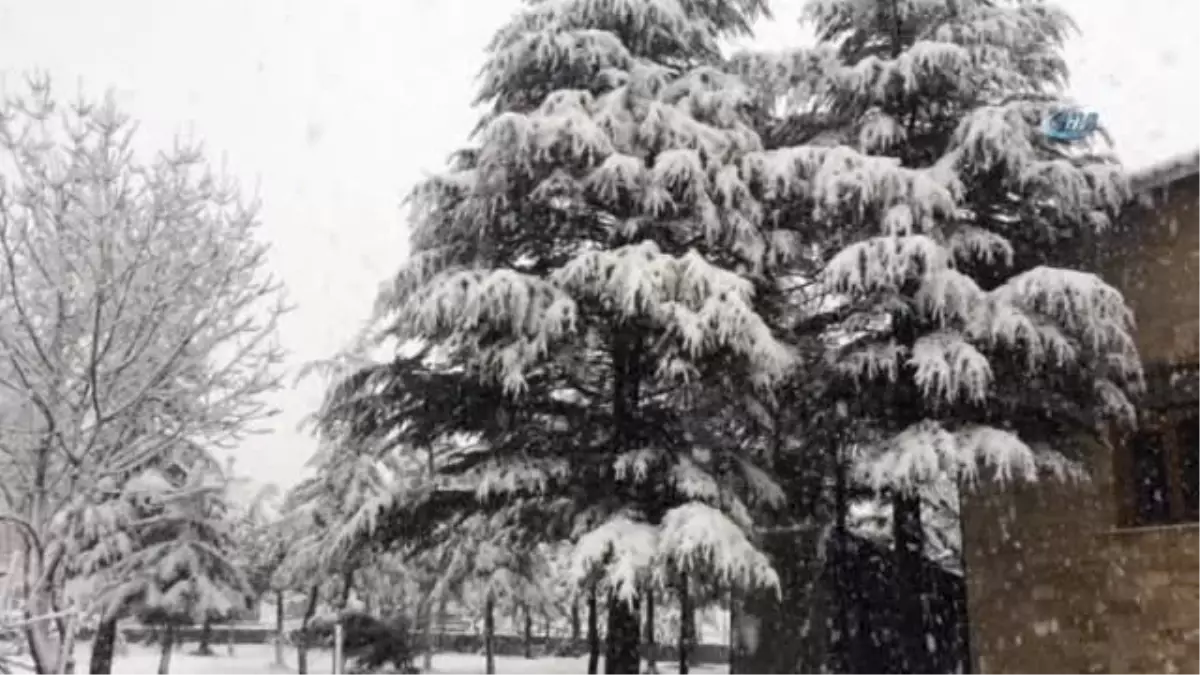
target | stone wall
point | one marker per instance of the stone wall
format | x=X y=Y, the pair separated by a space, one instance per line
x=1035 y=567
x=1155 y=261
x=1152 y=593
x=1054 y=585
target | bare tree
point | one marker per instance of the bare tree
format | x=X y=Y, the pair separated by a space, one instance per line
x=135 y=315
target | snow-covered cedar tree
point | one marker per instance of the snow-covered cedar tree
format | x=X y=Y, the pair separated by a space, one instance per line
x=315 y=513
x=108 y=527
x=137 y=313
x=395 y=425
x=968 y=342
x=321 y=522
x=988 y=355
x=186 y=559
x=499 y=566
x=462 y=555
x=261 y=548
x=613 y=215
x=303 y=567
x=184 y=567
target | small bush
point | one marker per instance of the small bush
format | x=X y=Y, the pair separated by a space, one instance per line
x=368 y=643
x=569 y=649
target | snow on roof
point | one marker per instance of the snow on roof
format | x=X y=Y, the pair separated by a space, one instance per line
x=1167 y=171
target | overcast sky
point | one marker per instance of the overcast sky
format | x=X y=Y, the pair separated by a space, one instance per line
x=333 y=108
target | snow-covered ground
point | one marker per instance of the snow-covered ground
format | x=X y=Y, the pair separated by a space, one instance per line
x=257 y=659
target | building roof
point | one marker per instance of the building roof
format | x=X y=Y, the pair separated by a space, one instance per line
x=1167 y=171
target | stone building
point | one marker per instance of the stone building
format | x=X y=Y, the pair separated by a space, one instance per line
x=1102 y=576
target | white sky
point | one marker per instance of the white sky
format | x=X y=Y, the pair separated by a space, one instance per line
x=335 y=107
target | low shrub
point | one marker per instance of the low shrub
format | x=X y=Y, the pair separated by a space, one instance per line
x=369 y=643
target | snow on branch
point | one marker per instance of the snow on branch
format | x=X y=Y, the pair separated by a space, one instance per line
x=841 y=180
x=698 y=538
x=550 y=50
x=622 y=550
x=664 y=30
x=884 y=263
x=703 y=306
x=1008 y=137
x=947 y=367
x=791 y=76
x=507 y=477
x=875 y=78
x=137 y=318
x=974 y=244
x=527 y=312
x=694 y=538
x=923 y=452
x=1079 y=304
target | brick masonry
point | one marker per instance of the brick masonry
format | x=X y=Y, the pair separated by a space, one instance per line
x=1053 y=584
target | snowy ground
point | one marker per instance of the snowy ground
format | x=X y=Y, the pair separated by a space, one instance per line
x=257 y=659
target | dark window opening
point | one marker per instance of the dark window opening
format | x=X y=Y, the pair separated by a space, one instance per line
x=1152 y=499
x=1164 y=469
x=1188 y=437
x=1162 y=466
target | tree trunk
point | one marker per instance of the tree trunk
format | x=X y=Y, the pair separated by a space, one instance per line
x=205 y=648
x=687 y=624
x=66 y=647
x=622 y=654
x=737 y=644
x=302 y=644
x=489 y=635
x=909 y=569
x=651 y=638
x=279 y=635
x=44 y=643
x=347 y=586
x=969 y=662
x=576 y=628
x=168 y=646
x=528 y=631
x=433 y=614
x=103 y=648
x=623 y=633
x=840 y=594
x=785 y=633
x=37 y=638
x=427 y=636
x=593 y=631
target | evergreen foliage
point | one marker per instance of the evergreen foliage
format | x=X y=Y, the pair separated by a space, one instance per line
x=664 y=284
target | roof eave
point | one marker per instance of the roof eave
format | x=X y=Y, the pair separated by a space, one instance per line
x=1165 y=172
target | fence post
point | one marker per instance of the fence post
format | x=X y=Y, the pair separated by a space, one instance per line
x=337 y=648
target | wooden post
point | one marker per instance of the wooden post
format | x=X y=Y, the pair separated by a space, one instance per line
x=337 y=648
x=66 y=656
x=736 y=644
